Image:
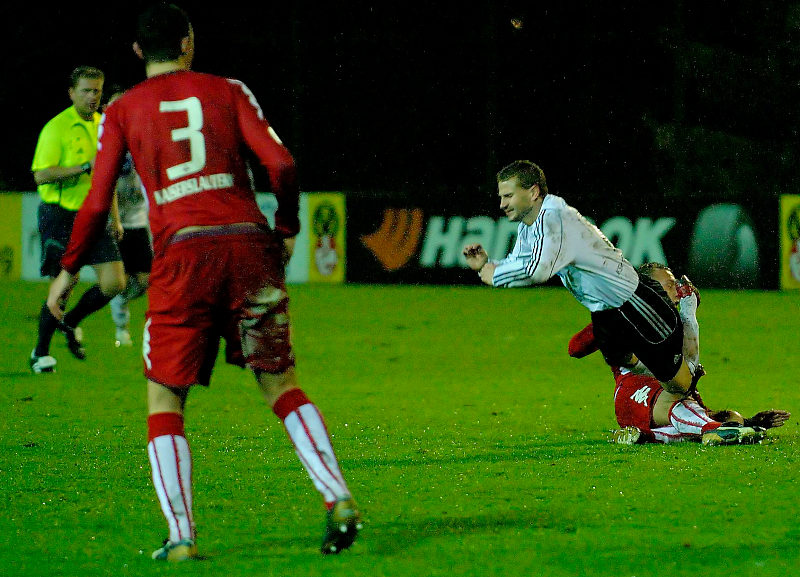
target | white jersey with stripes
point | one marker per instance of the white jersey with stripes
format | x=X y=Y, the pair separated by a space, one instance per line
x=562 y=242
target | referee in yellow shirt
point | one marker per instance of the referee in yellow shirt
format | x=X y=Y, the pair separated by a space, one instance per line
x=62 y=166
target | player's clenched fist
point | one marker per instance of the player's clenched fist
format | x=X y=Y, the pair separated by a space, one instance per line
x=475 y=256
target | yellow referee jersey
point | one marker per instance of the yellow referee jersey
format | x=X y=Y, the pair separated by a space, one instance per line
x=67 y=140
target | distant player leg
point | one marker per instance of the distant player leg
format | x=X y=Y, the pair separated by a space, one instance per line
x=47 y=327
x=54 y=229
x=137 y=258
x=112 y=281
x=120 y=311
x=111 y=276
x=92 y=300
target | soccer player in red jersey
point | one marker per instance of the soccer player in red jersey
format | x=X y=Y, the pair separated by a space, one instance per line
x=648 y=413
x=218 y=267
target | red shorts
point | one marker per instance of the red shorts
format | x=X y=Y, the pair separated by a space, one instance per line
x=208 y=287
x=634 y=398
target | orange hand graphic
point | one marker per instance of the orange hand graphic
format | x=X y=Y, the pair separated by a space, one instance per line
x=396 y=241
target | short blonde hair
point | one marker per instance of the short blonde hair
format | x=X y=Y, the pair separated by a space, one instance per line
x=526 y=172
x=85 y=72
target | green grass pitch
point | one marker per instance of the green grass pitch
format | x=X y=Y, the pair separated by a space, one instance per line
x=472 y=442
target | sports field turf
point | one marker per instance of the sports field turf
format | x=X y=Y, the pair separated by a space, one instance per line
x=472 y=442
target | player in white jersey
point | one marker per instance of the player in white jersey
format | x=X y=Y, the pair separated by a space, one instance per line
x=135 y=246
x=631 y=315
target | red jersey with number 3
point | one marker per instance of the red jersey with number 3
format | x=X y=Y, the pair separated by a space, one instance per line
x=186 y=132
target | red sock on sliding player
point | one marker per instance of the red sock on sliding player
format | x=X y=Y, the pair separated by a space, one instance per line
x=307 y=431
x=583 y=343
x=689 y=418
x=171 y=463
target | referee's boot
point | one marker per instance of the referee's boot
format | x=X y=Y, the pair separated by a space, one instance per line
x=43 y=364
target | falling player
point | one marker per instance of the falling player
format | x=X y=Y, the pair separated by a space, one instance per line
x=218 y=268
x=553 y=239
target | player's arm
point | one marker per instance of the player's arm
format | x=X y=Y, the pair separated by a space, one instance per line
x=477 y=259
x=274 y=157
x=476 y=256
x=768 y=419
x=538 y=263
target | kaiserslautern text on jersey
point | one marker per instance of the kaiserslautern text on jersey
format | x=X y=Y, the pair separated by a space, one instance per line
x=193 y=186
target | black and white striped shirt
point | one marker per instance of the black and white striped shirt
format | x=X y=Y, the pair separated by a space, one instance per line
x=562 y=242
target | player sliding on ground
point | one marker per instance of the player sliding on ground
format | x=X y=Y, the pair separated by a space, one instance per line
x=648 y=413
x=218 y=267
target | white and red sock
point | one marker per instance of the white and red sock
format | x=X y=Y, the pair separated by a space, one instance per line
x=667 y=434
x=307 y=431
x=691 y=331
x=689 y=418
x=171 y=463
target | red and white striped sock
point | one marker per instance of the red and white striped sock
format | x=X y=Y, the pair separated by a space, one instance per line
x=689 y=418
x=667 y=434
x=307 y=431
x=171 y=463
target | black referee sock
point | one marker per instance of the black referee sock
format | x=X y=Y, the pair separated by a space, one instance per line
x=92 y=300
x=47 y=326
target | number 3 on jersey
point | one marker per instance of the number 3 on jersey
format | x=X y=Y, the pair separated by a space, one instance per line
x=191 y=132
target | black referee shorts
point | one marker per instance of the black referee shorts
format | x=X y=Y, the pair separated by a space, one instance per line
x=55 y=228
x=647 y=325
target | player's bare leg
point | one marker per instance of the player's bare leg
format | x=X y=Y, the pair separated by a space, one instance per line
x=307 y=431
x=40 y=359
x=111 y=280
x=681 y=382
x=171 y=463
x=695 y=422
